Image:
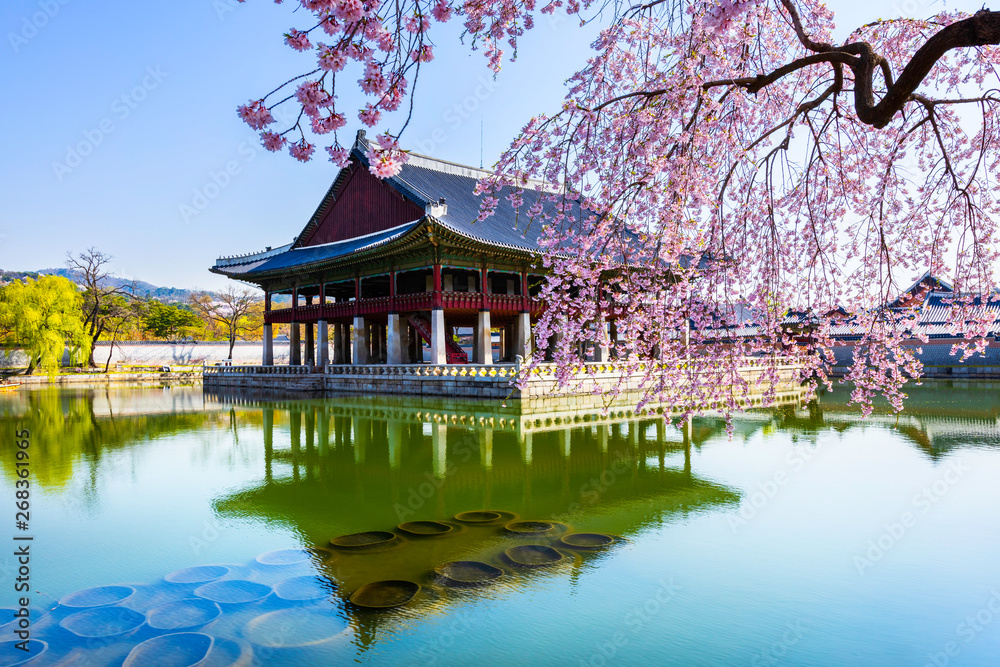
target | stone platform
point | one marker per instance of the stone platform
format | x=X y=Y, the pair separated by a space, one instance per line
x=592 y=382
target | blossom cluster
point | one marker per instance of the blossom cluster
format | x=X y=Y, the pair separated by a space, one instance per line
x=387 y=42
x=709 y=186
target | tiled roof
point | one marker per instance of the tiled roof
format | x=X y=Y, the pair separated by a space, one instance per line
x=313 y=254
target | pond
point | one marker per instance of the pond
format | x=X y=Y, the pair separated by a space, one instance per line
x=170 y=522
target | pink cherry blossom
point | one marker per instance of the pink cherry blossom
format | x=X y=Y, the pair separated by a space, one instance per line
x=301 y=150
x=298 y=40
x=271 y=141
x=330 y=59
x=339 y=156
x=256 y=115
x=423 y=55
x=370 y=115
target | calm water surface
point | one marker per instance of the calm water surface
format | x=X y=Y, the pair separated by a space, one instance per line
x=810 y=537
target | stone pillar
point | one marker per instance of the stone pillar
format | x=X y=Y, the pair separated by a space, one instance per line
x=323 y=344
x=360 y=342
x=484 y=347
x=294 y=348
x=602 y=350
x=268 y=357
x=310 y=345
x=437 y=337
x=338 y=344
x=523 y=346
x=602 y=437
x=394 y=351
x=567 y=442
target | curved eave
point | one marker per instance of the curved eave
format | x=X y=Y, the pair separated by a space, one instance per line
x=459 y=238
x=395 y=244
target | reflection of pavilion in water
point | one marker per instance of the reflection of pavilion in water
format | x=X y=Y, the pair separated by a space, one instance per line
x=937 y=417
x=349 y=466
x=401 y=461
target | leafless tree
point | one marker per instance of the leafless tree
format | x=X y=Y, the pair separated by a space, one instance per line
x=99 y=293
x=237 y=310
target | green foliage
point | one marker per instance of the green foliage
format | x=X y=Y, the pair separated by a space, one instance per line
x=168 y=322
x=42 y=317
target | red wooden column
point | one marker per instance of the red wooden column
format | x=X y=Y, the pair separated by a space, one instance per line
x=392 y=291
x=436 y=298
x=483 y=282
x=438 y=355
x=267 y=301
x=357 y=295
x=524 y=291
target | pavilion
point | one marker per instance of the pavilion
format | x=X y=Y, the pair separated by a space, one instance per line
x=390 y=264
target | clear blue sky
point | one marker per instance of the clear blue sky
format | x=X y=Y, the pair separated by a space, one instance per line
x=149 y=91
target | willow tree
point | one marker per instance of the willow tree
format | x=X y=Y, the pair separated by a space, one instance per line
x=732 y=162
x=42 y=318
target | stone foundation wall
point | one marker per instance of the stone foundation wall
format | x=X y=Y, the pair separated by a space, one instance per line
x=477 y=382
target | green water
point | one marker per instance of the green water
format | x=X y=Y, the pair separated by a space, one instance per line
x=808 y=537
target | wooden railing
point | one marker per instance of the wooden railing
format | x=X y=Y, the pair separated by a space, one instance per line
x=345 y=310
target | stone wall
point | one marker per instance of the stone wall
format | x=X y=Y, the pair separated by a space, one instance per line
x=166 y=353
x=470 y=381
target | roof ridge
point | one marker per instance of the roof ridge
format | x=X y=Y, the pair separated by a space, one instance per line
x=361 y=143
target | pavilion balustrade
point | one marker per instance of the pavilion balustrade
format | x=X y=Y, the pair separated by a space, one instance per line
x=345 y=310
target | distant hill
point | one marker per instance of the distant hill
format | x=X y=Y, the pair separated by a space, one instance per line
x=142 y=288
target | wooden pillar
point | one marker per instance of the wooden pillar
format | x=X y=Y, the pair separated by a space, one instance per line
x=436 y=297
